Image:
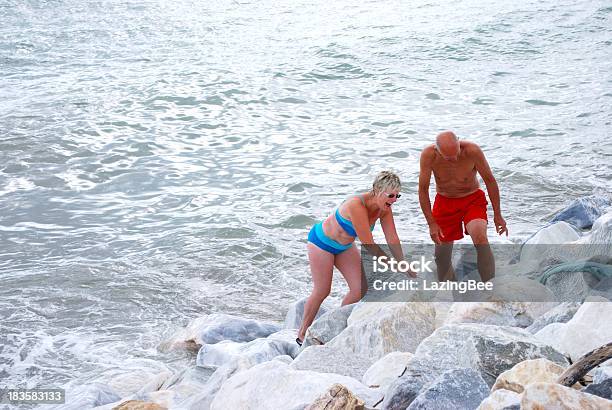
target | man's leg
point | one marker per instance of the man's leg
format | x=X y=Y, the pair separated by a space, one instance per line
x=444 y=266
x=477 y=228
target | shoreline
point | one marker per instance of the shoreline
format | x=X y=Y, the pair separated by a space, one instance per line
x=390 y=355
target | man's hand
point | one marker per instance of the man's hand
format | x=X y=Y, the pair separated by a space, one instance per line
x=436 y=233
x=500 y=225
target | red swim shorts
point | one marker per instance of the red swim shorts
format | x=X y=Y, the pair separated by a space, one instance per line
x=450 y=213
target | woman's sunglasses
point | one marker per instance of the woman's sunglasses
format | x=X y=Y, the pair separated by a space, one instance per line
x=391 y=196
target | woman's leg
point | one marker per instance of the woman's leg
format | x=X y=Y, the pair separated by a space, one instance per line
x=322 y=269
x=349 y=264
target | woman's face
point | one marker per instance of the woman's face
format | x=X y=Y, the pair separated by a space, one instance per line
x=387 y=197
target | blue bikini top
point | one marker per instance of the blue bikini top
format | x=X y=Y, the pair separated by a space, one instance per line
x=348 y=225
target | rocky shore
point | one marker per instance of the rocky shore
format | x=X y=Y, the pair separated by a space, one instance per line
x=495 y=355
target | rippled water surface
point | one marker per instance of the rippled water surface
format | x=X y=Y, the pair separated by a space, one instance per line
x=165 y=159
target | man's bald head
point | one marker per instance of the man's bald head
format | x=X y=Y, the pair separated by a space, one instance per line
x=448 y=146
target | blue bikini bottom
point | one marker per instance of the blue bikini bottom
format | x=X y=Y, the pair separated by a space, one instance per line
x=318 y=237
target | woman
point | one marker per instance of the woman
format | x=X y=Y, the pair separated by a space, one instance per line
x=330 y=243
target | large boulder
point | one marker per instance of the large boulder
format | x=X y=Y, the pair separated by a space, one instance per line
x=488 y=349
x=501 y=400
x=203 y=399
x=217 y=327
x=597 y=244
x=331 y=359
x=328 y=325
x=561 y=313
x=295 y=314
x=375 y=329
x=386 y=370
x=453 y=389
x=526 y=372
x=516 y=314
x=264 y=349
x=274 y=385
x=539 y=396
x=556 y=233
x=582 y=212
x=587 y=330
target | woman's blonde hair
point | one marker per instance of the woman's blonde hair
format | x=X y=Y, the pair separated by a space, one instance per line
x=386 y=180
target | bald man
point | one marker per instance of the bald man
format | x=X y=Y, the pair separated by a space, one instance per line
x=460 y=205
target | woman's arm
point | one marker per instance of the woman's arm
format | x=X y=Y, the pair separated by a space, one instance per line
x=388 y=225
x=359 y=217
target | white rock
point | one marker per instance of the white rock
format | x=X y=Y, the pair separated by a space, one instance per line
x=384 y=372
x=556 y=233
x=330 y=359
x=387 y=327
x=517 y=314
x=293 y=318
x=274 y=385
x=551 y=396
x=500 y=399
x=526 y=372
x=586 y=331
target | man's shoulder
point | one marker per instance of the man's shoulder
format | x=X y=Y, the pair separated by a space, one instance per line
x=471 y=148
x=429 y=151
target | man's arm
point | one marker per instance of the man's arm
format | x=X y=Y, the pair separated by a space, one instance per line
x=482 y=166
x=424 y=201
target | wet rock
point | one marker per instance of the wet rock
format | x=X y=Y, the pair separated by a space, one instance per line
x=274 y=385
x=526 y=372
x=218 y=327
x=501 y=400
x=330 y=359
x=453 y=389
x=386 y=370
x=559 y=314
x=264 y=349
x=337 y=397
x=539 y=396
x=88 y=396
x=328 y=326
x=603 y=389
x=293 y=319
x=583 y=212
x=375 y=329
